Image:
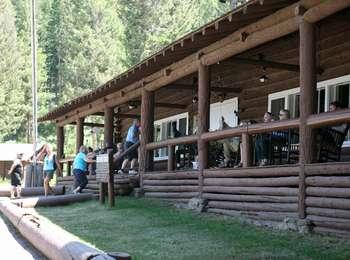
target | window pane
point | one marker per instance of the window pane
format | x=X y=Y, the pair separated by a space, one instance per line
x=183 y=126
x=293 y=108
x=321 y=100
x=343 y=95
x=276 y=106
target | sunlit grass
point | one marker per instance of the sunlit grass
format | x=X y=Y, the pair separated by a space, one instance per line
x=148 y=229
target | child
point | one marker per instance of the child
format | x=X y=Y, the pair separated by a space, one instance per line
x=116 y=156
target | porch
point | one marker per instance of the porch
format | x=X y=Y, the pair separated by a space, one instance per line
x=289 y=44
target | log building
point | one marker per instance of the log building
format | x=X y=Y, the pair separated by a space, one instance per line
x=263 y=56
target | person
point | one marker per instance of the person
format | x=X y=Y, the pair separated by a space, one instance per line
x=262 y=143
x=131 y=139
x=180 y=148
x=116 y=156
x=92 y=156
x=80 y=169
x=50 y=165
x=334 y=106
x=15 y=173
x=230 y=145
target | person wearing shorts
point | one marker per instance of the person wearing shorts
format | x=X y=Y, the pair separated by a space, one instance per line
x=15 y=173
x=50 y=165
x=131 y=139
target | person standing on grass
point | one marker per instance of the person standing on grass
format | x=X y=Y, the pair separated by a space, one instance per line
x=16 y=174
x=80 y=169
x=51 y=164
x=131 y=139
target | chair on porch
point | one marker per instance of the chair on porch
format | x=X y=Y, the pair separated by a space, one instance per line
x=284 y=147
x=330 y=144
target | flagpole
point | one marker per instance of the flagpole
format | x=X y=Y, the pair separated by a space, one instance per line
x=34 y=83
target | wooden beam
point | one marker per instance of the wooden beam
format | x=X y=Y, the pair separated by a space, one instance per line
x=264 y=63
x=308 y=94
x=160 y=104
x=60 y=141
x=212 y=89
x=108 y=127
x=79 y=133
x=203 y=120
x=133 y=116
x=89 y=124
x=147 y=129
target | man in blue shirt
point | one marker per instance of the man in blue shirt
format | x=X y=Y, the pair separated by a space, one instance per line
x=80 y=169
x=131 y=138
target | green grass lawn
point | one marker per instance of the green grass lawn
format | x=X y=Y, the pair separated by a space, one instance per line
x=149 y=229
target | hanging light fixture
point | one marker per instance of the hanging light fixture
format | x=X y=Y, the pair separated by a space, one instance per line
x=263 y=78
x=132 y=105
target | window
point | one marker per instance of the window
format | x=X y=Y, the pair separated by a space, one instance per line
x=163 y=131
x=224 y=109
x=327 y=91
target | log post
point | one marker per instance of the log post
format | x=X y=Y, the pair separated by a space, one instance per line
x=79 y=133
x=108 y=127
x=308 y=94
x=60 y=141
x=111 y=201
x=102 y=192
x=171 y=158
x=246 y=153
x=69 y=168
x=147 y=120
x=203 y=120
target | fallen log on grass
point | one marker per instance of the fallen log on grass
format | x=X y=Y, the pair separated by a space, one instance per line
x=35 y=191
x=53 y=200
x=52 y=241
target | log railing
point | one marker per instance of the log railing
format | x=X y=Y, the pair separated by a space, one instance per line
x=69 y=162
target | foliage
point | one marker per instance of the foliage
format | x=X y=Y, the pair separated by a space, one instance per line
x=82 y=44
x=147 y=229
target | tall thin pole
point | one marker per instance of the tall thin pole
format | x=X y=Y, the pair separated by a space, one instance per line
x=34 y=83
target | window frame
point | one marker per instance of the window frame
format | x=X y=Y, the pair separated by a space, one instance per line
x=326 y=84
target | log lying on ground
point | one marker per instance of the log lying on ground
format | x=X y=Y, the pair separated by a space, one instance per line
x=272 y=216
x=251 y=206
x=333 y=203
x=325 y=212
x=328 y=192
x=256 y=182
x=53 y=200
x=171 y=194
x=250 y=198
x=336 y=223
x=35 y=191
x=334 y=181
x=252 y=190
x=52 y=241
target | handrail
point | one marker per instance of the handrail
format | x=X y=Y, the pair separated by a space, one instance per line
x=174 y=141
x=323 y=119
x=127 y=151
x=66 y=160
x=329 y=118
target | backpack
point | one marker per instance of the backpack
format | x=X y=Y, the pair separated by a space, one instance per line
x=54 y=162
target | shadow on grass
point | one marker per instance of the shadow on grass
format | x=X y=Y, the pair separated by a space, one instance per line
x=149 y=229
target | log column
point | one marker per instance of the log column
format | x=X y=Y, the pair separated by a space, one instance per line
x=171 y=158
x=147 y=125
x=60 y=141
x=203 y=120
x=79 y=133
x=246 y=154
x=308 y=94
x=108 y=127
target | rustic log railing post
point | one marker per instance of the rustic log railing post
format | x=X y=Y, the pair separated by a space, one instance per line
x=108 y=127
x=102 y=192
x=308 y=94
x=111 y=201
x=203 y=120
x=171 y=158
x=69 y=168
x=79 y=133
x=147 y=121
x=60 y=143
x=246 y=153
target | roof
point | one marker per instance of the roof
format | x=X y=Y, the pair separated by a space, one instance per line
x=8 y=152
x=192 y=42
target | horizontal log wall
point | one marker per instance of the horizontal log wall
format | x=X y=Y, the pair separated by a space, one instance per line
x=123 y=185
x=328 y=197
x=175 y=186
x=258 y=193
